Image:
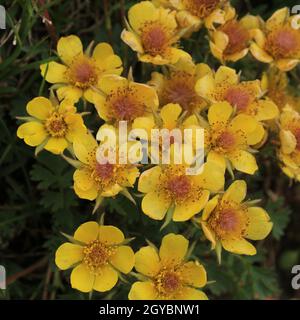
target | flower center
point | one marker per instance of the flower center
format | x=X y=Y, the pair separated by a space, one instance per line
x=238 y=98
x=225 y=141
x=283 y=43
x=238 y=37
x=179 y=187
x=168 y=282
x=96 y=255
x=155 y=38
x=104 y=171
x=228 y=221
x=125 y=105
x=180 y=89
x=201 y=8
x=83 y=73
x=56 y=126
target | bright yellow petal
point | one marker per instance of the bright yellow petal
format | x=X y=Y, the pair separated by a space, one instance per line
x=277 y=19
x=260 y=54
x=244 y=123
x=239 y=246
x=173 y=248
x=155 y=205
x=170 y=114
x=56 y=145
x=110 y=65
x=84 y=147
x=194 y=274
x=142 y=291
x=83 y=179
x=205 y=86
x=67 y=255
x=111 y=83
x=148 y=93
x=149 y=179
x=288 y=141
x=219 y=113
x=211 y=178
x=123 y=259
x=226 y=75
x=70 y=93
x=259 y=225
x=87 y=232
x=147 y=261
x=69 y=48
x=39 y=108
x=110 y=235
x=82 y=279
x=54 y=72
x=286 y=65
x=209 y=234
x=102 y=51
x=266 y=110
x=132 y=41
x=32 y=132
x=188 y=293
x=106 y=279
x=244 y=161
x=257 y=135
x=210 y=206
x=140 y=13
x=236 y=192
x=217 y=159
x=89 y=194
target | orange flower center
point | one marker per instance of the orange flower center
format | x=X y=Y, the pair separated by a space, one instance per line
x=56 y=126
x=179 y=88
x=168 y=282
x=96 y=255
x=238 y=98
x=125 y=104
x=283 y=43
x=238 y=37
x=155 y=38
x=201 y=8
x=83 y=73
x=179 y=187
x=226 y=141
x=228 y=221
x=104 y=171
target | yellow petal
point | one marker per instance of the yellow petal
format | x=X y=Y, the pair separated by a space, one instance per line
x=210 y=206
x=69 y=93
x=82 y=279
x=209 y=234
x=101 y=106
x=194 y=274
x=266 y=110
x=239 y=246
x=123 y=259
x=260 y=54
x=149 y=179
x=102 y=51
x=259 y=225
x=112 y=191
x=257 y=135
x=244 y=161
x=83 y=179
x=236 y=192
x=147 y=261
x=277 y=19
x=219 y=112
x=142 y=291
x=288 y=141
x=67 y=255
x=84 y=147
x=106 y=279
x=188 y=293
x=205 y=86
x=132 y=41
x=226 y=75
x=69 y=48
x=140 y=13
x=110 y=65
x=211 y=178
x=170 y=114
x=259 y=37
x=187 y=210
x=111 y=83
x=148 y=93
x=244 y=123
x=177 y=54
x=173 y=248
x=56 y=145
x=218 y=159
x=110 y=235
x=155 y=205
x=54 y=72
x=32 y=132
x=286 y=65
x=89 y=194
x=39 y=108
x=237 y=56
x=221 y=40
x=87 y=232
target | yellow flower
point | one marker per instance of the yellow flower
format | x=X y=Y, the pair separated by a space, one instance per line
x=230 y=41
x=245 y=96
x=122 y=99
x=193 y=13
x=227 y=221
x=228 y=138
x=167 y=274
x=178 y=86
x=80 y=72
x=289 y=152
x=152 y=33
x=277 y=42
x=52 y=127
x=97 y=256
x=93 y=180
x=167 y=187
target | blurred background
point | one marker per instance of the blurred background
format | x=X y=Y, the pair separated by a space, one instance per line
x=36 y=198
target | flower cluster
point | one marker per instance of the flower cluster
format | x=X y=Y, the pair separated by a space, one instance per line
x=237 y=116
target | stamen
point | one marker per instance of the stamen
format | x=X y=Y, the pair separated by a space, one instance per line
x=56 y=126
x=201 y=8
